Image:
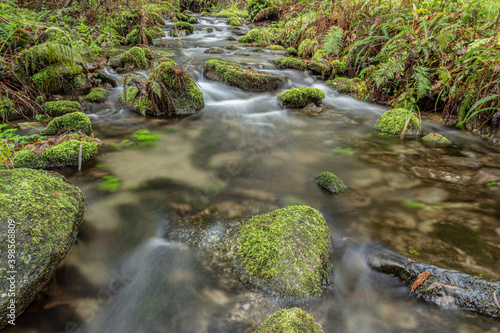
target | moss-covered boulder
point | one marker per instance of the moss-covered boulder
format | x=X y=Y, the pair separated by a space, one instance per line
x=284 y=251
x=60 y=108
x=318 y=63
x=61 y=151
x=300 y=97
x=193 y=20
x=235 y=21
x=237 y=75
x=57 y=35
x=133 y=99
x=135 y=58
x=291 y=62
x=139 y=36
x=97 y=95
x=291 y=51
x=252 y=36
x=184 y=26
x=306 y=48
x=43 y=212
x=330 y=182
x=436 y=138
x=293 y=320
x=399 y=121
x=76 y=121
x=354 y=86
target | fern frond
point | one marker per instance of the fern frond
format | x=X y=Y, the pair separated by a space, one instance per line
x=332 y=42
x=422 y=82
x=40 y=56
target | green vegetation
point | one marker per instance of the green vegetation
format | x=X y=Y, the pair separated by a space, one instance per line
x=76 y=121
x=399 y=121
x=436 y=139
x=291 y=62
x=138 y=139
x=330 y=182
x=235 y=21
x=110 y=184
x=284 y=251
x=300 y=97
x=349 y=86
x=293 y=320
x=60 y=108
x=184 y=26
x=97 y=95
x=344 y=151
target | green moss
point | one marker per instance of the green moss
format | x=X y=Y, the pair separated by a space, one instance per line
x=300 y=97
x=132 y=99
x=399 y=121
x=349 y=86
x=77 y=121
x=59 y=108
x=275 y=48
x=46 y=210
x=133 y=37
x=235 y=21
x=330 y=182
x=234 y=74
x=6 y=108
x=339 y=66
x=57 y=78
x=57 y=35
x=252 y=36
x=291 y=62
x=156 y=32
x=193 y=20
x=230 y=12
x=291 y=51
x=284 y=251
x=306 y=48
x=184 y=26
x=436 y=139
x=317 y=65
x=97 y=95
x=40 y=56
x=293 y=320
x=136 y=57
x=181 y=17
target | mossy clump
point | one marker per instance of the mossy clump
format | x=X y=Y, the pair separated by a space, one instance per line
x=399 y=121
x=97 y=95
x=306 y=48
x=293 y=320
x=45 y=211
x=330 y=182
x=135 y=37
x=237 y=75
x=180 y=17
x=317 y=63
x=185 y=26
x=291 y=51
x=57 y=35
x=275 y=48
x=60 y=108
x=291 y=62
x=235 y=21
x=60 y=78
x=136 y=57
x=156 y=32
x=6 y=108
x=436 y=138
x=193 y=20
x=77 y=121
x=349 y=86
x=300 y=97
x=133 y=99
x=252 y=36
x=230 y=12
x=61 y=155
x=285 y=251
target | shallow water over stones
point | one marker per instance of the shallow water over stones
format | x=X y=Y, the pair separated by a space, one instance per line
x=243 y=155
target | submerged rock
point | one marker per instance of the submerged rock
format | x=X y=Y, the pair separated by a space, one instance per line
x=399 y=121
x=330 y=182
x=77 y=121
x=440 y=175
x=284 y=251
x=293 y=320
x=43 y=211
x=300 y=97
x=237 y=75
x=436 y=139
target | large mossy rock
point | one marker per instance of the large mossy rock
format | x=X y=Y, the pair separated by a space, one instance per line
x=293 y=320
x=291 y=62
x=253 y=36
x=64 y=153
x=399 y=121
x=300 y=97
x=237 y=75
x=285 y=252
x=60 y=108
x=77 y=121
x=45 y=212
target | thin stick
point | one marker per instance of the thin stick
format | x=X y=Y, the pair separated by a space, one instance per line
x=80 y=159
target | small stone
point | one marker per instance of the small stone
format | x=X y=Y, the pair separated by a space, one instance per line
x=312 y=109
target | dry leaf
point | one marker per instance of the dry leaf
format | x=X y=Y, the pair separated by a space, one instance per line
x=420 y=278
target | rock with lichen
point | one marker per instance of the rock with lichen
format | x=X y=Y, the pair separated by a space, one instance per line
x=399 y=121
x=436 y=138
x=285 y=252
x=293 y=320
x=244 y=78
x=43 y=211
x=330 y=182
x=76 y=121
x=300 y=97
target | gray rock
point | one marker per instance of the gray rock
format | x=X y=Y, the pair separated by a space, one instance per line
x=487 y=175
x=312 y=109
x=440 y=175
x=464 y=162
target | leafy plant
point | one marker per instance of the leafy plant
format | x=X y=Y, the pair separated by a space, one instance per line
x=332 y=42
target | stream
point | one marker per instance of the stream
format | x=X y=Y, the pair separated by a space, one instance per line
x=241 y=155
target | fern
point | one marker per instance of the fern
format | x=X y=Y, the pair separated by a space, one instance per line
x=40 y=56
x=332 y=42
x=421 y=81
x=387 y=70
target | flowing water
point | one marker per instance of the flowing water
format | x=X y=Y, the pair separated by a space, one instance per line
x=241 y=155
